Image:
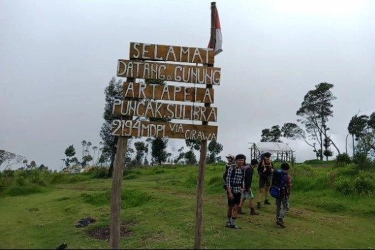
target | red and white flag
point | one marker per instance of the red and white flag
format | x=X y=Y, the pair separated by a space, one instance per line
x=217 y=42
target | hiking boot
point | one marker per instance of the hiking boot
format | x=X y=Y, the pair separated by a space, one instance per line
x=235 y=227
x=258 y=205
x=266 y=202
x=240 y=210
x=253 y=212
x=280 y=222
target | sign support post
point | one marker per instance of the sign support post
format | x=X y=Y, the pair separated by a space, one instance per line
x=118 y=170
x=203 y=156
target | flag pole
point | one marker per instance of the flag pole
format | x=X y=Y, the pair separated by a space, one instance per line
x=213 y=24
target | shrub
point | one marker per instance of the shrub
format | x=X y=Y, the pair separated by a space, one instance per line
x=343 y=159
x=100 y=172
x=344 y=186
x=23 y=190
x=362 y=161
x=364 y=186
x=21 y=181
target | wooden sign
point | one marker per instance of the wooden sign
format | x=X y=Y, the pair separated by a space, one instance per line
x=168 y=72
x=164 y=110
x=163 y=129
x=168 y=92
x=156 y=52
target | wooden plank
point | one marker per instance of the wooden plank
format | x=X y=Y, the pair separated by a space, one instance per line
x=164 y=110
x=168 y=72
x=163 y=129
x=168 y=92
x=158 y=52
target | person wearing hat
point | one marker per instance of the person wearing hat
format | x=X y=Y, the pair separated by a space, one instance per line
x=230 y=163
x=230 y=159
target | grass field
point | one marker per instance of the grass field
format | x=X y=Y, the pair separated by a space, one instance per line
x=328 y=210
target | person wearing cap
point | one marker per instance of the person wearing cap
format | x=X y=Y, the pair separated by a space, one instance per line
x=265 y=170
x=234 y=183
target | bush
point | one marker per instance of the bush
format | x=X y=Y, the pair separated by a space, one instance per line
x=343 y=159
x=23 y=190
x=344 y=186
x=362 y=161
x=364 y=186
x=100 y=172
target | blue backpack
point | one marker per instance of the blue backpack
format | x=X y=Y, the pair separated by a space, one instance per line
x=279 y=182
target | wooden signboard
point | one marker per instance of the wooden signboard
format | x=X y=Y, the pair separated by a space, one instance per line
x=163 y=129
x=164 y=110
x=168 y=92
x=168 y=72
x=157 y=52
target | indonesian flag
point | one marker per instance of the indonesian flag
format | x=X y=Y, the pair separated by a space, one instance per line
x=217 y=42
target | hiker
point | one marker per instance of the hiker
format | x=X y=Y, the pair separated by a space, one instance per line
x=248 y=193
x=230 y=159
x=265 y=169
x=234 y=182
x=283 y=199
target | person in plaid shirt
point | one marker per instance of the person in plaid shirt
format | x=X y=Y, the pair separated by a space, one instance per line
x=234 y=182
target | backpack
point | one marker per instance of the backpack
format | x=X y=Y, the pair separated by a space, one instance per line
x=231 y=176
x=279 y=182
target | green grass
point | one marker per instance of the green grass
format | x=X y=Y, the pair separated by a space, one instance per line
x=159 y=206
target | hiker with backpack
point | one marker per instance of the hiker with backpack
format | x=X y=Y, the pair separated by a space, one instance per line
x=231 y=162
x=280 y=189
x=265 y=169
x=248 y=193
x=234 y=184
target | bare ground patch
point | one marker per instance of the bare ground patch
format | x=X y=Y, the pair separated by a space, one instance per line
x=103 y=233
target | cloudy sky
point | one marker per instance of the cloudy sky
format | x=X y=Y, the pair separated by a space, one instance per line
x=57 y=57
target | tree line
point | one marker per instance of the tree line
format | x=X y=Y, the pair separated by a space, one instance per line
x=312 y=126
x=137 y=148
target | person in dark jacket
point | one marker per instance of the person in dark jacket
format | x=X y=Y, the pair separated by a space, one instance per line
x=265 y=170
x=283 y=200
x=248 y=193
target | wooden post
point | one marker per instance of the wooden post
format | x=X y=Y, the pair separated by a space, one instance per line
x=199 y=210
x=203 y=155
x=118 y=170
x=115 y=227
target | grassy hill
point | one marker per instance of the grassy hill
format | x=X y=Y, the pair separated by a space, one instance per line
x=331 y=207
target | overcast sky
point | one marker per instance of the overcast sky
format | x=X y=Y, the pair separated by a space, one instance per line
x=57 y=57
